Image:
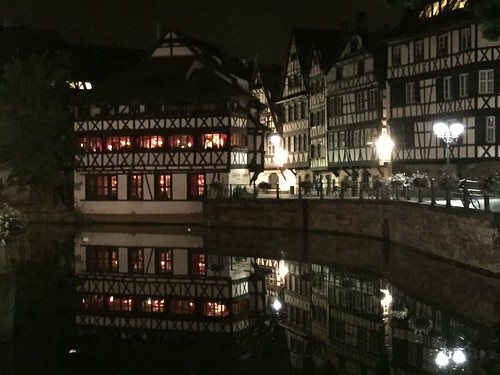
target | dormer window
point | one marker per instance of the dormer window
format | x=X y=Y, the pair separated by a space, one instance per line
x=353 y=46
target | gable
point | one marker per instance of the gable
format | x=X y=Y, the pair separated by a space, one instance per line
x=354 y=45
x=172 y=46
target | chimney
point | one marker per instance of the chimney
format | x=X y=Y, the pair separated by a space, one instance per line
x=361 y=22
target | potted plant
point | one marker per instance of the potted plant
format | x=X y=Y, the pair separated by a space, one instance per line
x=419 y=181
x=448 y=181
x=397 y=181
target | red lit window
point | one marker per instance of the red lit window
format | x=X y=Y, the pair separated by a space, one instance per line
x=135 y=187
x=180 y=306
x=163 y=186
x=90 y=144
x=214 y=140
x=118 y=143
x=239 y=140
x=150 y=141
x=92 y=302
x=181 y=141
x=164 y=261
x=197 y=264
x=119 y=303
x=101 y=187
x=196 y=186
x=102 y=259
x=215 y=309
x=136 y=260
x=152 y=305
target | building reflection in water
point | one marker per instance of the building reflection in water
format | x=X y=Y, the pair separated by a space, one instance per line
x=314 y=304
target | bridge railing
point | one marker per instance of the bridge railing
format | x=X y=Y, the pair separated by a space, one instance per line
x=467 y=194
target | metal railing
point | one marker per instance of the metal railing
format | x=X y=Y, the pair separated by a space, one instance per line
x=467 y=194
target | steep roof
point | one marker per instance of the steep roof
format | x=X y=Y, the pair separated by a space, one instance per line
x=179 y=68
x=326 y=43
x=412 y=22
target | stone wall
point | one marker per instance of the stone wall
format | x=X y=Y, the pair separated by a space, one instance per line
x=464 y=236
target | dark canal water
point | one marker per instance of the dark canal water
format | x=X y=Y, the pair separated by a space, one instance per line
x=191 y=300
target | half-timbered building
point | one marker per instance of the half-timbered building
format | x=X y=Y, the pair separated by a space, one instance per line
x=155 y=137
x=147 y=283
x=442 y=69
x=356 y=87
x=265 y=86
x=295 y=100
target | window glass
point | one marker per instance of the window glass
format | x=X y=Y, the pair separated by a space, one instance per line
x=91 y=144
x=163 y=186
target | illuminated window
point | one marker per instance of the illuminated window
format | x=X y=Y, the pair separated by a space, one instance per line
x=118 y=143
x=196 y=186
x=182 y=307
x=136 y=260
x=119 y=303
x=180 y=141
x=90 y=144
x=197 y=264
x=101 y=187
x=486 y=80
x=80 y=85
x=135 y=191
x=163 y=186
x=102 y=259
x=150 y=141
x=93 y=302
x=164 y=261
x=238 y=140
x=214 y=140
x=156 y=305
x=215 y=309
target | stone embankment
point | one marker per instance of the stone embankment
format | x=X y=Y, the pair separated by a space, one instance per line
x=462 y=236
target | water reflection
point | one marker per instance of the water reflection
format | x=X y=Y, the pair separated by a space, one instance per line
x=192 y=300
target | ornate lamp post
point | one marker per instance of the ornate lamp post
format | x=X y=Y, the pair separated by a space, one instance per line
x=449 y=134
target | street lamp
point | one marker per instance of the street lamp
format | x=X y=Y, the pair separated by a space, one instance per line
x=384 y=148
x=280 y=154
x=449 y=134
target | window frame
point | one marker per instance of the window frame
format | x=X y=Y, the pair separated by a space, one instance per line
x=167 y=256
x=410 y=93
x=486 y=84
x=135 y=187
x=163 y=189
x=490 y=131
x=447 y=88
x=463 y=85
x=96 y=262
x=101 y=187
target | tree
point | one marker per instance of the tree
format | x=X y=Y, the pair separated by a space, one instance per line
x=486 y=11
x=36 y=141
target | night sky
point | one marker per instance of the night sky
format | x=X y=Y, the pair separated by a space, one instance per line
x=240 y=28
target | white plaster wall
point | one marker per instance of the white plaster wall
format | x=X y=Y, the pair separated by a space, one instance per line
x=239 y=176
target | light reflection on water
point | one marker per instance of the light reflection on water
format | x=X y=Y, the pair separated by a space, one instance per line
x=336 y=316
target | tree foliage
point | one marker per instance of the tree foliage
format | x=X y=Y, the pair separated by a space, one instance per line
x=486 y=11
x=35 y=140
